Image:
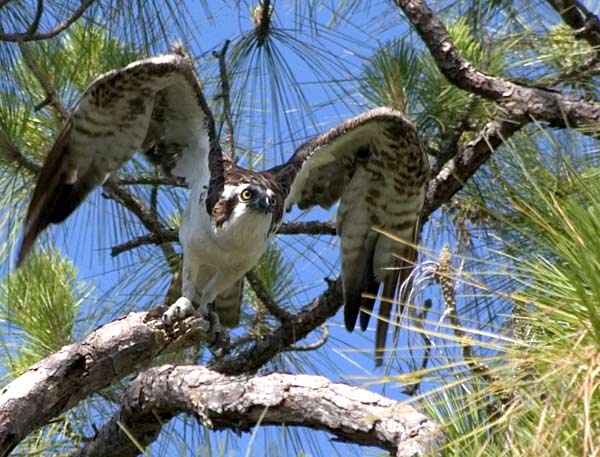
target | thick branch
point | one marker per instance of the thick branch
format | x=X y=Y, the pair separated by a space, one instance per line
x=353 y=415
x=559 y=110
x=60 y=381
x=292 y=330
x=456 y=172
x=585 y=24
x=28 y=36
x=63 y=379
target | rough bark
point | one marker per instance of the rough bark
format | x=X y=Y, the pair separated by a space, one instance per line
x=115 y=350
x=521 y=105
x=60 y=381
x=585 y=25
x=557 y=109
x=352 y=414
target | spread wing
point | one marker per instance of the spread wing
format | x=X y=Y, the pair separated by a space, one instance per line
x=155 y=104
x=376 y=166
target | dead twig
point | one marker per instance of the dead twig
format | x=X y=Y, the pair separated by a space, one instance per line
x=312 y=346
x=28 y=36
x=171 y=235
x=225 y=95
x=265 y=297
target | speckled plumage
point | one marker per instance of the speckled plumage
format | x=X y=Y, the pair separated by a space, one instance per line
x=373 y=164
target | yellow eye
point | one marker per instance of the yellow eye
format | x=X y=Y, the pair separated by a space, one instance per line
x=246 y=194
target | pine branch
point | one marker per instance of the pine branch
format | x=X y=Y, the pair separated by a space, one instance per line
x=311 y=346
x=265 y=297
x=225 y=94
x=352 y=414
x=586 y=25
x=288 y=333
x=149 y=220
x=11 y=153
x=467 y=160
x=172 y=235
x=52 y=97
x=36 y=20
x=557 y=109
x=28 y=36
x=60 y=381
x=146 y=179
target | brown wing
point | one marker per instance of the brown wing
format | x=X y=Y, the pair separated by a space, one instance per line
x=376 y=166
x=155 y=103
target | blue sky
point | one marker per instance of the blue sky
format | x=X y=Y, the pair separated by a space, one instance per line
x=312 y=260
x=272 y=132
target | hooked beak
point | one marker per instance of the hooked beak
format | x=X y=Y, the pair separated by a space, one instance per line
x=263 y=204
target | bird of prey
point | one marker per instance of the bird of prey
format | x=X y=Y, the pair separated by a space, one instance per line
x=374 y=164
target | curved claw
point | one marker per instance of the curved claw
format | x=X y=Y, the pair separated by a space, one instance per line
x=179 y=310
x=220 y=342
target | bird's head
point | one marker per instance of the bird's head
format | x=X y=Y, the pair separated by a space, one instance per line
x=244 y=200
x=255 y=197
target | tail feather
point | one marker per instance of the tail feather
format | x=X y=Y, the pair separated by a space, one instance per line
x=49 y=188
x=357 y=280
x=390 y=287
x=368 y=303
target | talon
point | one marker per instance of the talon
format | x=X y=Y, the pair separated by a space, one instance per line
x=219 y=344
x=179 y=310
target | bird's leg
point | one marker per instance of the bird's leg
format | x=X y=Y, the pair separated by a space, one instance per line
x=217 y=284
x=183 y=307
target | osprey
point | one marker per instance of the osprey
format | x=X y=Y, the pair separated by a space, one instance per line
x=374 y=164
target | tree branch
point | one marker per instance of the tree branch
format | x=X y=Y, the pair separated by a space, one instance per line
x=265 y=297
x=558 y=110
x=36 y=20
x=172 y=235
x=289 y=332
x=115 y=350
x=10 y=152
x=52 y=97
x=60 y=381
x=585 y=24
x=311 y=346
x=144 y=214
x=456 y=172
x=148 y=180
x=27 y=36
x=226 y=100
x=353 y=415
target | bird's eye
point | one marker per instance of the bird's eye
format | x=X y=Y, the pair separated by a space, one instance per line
x=246 y=194
x=273 y=201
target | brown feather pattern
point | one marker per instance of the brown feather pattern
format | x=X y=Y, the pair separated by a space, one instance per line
x=376 y=164
x=121 y=111
x=373 y=164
